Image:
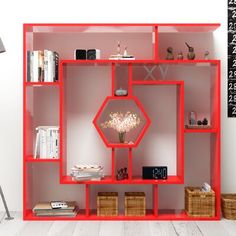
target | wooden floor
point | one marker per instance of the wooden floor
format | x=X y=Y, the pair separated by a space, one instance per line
x=114 y=228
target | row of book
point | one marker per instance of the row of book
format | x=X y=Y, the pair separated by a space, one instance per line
x=42 y=66
x=47 y=209
x=87 y=172
x=47 y=142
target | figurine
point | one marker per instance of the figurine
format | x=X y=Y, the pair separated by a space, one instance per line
x=199 y=122
x=122 y=174
x=118 y=48
x=121 y=92
x=205 y=121
x=192 y=118
x=170 y=55
x=125 y=52
x=191 y=53
x=180 y=56
x=206 y=54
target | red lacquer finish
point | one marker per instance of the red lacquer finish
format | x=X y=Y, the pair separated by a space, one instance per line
x=155 y=30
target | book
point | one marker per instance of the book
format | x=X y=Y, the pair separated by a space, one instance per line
x=45 y=209
x=36 y=145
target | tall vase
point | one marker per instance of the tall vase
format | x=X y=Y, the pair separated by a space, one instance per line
x=122 y=137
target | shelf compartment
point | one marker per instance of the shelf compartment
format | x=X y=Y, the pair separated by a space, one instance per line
x=84 y=89
x=153 y=151
x=121 y=104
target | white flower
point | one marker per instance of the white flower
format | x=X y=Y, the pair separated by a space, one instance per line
x=122 y=123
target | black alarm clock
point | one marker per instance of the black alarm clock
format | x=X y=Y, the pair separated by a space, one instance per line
x=155 y=172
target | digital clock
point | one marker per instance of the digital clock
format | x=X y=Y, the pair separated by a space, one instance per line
x=155 y=172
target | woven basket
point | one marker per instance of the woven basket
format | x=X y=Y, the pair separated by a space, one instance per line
x=228 y=206
x=107 y=204
x=135 y=204
x=198 y=203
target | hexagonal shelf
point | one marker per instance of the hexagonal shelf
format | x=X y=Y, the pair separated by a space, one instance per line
x=121 y=106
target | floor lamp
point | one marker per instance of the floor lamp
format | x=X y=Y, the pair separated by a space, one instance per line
x=2 y=49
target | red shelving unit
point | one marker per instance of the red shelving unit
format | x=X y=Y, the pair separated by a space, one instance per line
x=162 y=92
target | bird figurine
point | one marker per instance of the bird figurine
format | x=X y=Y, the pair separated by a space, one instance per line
x=180 y=56
x=206 y=55
x=191 y=53
x=170 y=55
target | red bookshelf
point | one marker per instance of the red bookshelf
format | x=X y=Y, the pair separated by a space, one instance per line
x=162 y=92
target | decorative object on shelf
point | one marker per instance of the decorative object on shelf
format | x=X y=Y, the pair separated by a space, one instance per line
x=154 y=172
x=206 y=55
x=119 y=56
x=206 y=188
x=122 y=123
x=125 y=54
x=228 y=206
x=93 y=54
x=180 y=56
x=121 y=92
x=191 y=53
x=192 y=118
x=80 y=54
x=118 y=49
x=83 y=172
x=205 y=121
x=69 y=209
x=135 y=204
x=107 y=204
x=122 y=174
x=170 y=55
x=199 y=122
x=199 y=203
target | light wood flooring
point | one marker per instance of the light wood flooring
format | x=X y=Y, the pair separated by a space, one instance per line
x=114 y=228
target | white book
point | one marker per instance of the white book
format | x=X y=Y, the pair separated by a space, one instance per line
x=56 y=144
x=35 y=66
x=51 y=66
x=47 y=127
x=36 y=145
x=42 y=134
x=45 y=61
x=48 y=140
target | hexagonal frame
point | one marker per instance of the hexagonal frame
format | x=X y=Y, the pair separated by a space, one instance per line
x=142 y=132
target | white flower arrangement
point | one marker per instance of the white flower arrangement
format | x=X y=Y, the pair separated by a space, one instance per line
x=121 y=122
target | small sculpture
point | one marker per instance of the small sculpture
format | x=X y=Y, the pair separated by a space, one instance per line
x=192 y=118
x=199 y=122
x=205 y=121
x=180 y=56
x=170 y=55
x=191 y=53
x=122 y=174
x=121 y=92
x=206 y=54
x=118 y=48
x=125 y=52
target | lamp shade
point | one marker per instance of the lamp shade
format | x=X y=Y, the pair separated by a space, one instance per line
x=2 y=49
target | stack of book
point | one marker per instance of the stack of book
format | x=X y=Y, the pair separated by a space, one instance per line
x=87 y=172
x=46 y=209
x=47 y=142
x=42 y=66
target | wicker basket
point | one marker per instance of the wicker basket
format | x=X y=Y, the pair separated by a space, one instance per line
x=135 y=204
x=228 y=206
x=107 y=204
x=198 y=203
